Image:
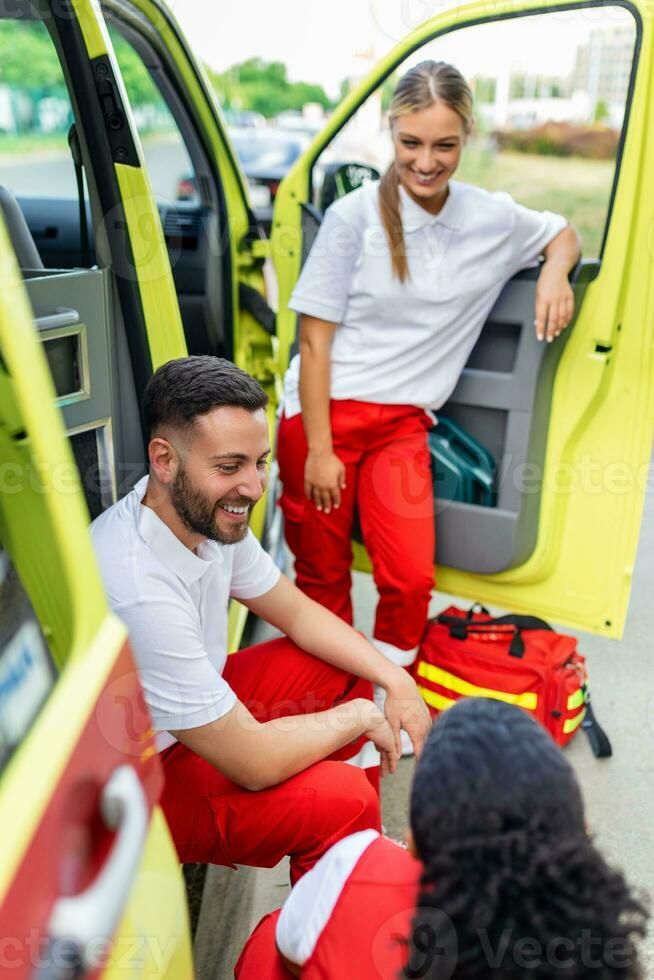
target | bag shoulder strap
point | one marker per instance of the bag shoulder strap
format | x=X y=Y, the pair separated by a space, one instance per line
x=599 y=740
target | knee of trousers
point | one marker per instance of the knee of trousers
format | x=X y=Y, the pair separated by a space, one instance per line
x=413 y=587
x=344 y=799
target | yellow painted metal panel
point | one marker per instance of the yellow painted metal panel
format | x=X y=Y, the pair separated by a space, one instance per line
x=153 y=938
x=51 y=740
x=214 y=129
x=92 y=27
x=48 y=464
x=238 y=613
x=151 y=266
x=529 y=699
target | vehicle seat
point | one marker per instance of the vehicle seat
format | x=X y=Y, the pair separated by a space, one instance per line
x=19 y=233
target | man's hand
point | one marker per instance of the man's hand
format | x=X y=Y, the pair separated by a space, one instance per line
x=406 y=709
x=379 y=731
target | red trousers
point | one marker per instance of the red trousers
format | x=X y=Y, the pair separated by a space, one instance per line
x=215 y=821
x=389 y=482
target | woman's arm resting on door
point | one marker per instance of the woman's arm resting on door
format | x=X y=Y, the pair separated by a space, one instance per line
x=554 y=297
x=324 y=473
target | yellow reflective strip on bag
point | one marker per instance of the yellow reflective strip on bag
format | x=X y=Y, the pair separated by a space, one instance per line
x=528 y=700
x=435 y=700
x=575 y=700
x=572 y=723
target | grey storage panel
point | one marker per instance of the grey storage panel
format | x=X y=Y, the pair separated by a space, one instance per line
x=503 y=399
x=71 y=310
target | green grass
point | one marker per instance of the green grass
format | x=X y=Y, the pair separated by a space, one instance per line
x=12 y=144
x=579 y=189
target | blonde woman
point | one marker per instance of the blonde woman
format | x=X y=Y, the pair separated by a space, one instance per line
x=393 y=296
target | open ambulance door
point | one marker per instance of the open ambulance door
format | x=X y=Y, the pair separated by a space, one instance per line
x=90 y=883
x=216 y=250
x=569 y=425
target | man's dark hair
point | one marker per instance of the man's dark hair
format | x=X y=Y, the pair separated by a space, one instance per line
x=181 y=390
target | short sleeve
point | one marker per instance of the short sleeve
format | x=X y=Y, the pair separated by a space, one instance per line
x=309 y=906
x=532 y=232
x=181 y=686
x=254 y=572
x=324 y=284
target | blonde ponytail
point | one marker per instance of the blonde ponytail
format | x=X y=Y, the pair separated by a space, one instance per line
x=389 y=206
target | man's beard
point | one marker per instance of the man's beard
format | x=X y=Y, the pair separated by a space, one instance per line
x=199 y=514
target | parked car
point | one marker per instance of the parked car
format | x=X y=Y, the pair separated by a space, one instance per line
x=266 y=155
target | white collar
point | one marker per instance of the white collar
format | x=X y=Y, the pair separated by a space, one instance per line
x=415 y=217
x=188 y=566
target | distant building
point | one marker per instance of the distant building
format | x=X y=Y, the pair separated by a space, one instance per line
x=602 y=69
x=530 y=112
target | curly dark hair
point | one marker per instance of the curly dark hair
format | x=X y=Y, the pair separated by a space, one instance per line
x=512 y=885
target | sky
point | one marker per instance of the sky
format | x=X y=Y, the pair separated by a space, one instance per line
x=328 y=41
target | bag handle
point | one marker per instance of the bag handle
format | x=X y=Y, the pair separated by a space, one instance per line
x=599 y=740
x=474 y=608
x=460 y=628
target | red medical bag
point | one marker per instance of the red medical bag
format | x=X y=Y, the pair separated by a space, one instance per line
x=518 y=659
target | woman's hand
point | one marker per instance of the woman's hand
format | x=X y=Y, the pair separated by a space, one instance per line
x=555 y=302
x=324 y=478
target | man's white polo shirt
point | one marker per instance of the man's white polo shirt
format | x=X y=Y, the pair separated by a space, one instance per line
x=174 y=603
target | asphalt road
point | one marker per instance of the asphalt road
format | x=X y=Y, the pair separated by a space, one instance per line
x=51 y=173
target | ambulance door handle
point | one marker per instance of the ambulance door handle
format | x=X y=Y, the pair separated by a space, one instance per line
x=81 y=920
x=57 y=320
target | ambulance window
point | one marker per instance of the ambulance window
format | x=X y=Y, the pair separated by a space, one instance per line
x=551 y=99
x=169 y=166
x=35 y=114
x=27 y=672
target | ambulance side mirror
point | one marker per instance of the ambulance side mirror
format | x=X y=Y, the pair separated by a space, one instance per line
x=341 y=178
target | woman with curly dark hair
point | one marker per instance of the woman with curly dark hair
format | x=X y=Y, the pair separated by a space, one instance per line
x=500 y=880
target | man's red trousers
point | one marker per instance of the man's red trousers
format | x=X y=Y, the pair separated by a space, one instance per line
x=215 y=821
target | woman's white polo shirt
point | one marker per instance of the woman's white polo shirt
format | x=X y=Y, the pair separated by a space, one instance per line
x=174 y=604
x=407 y=343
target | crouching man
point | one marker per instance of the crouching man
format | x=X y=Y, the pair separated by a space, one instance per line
x=242 y=738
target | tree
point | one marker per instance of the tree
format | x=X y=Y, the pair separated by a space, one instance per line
x=264 y=87
x=484 y=89
x=388 y=90
x=141 y=90
x=28 y=60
